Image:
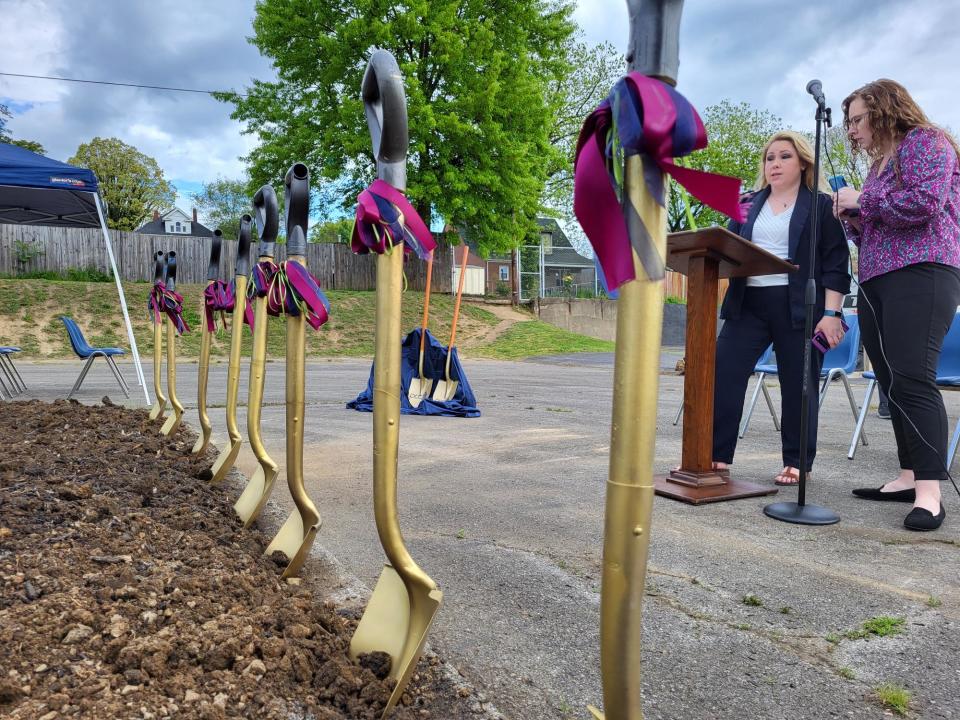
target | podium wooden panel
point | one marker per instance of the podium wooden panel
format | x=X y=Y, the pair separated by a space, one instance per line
x=705 y=256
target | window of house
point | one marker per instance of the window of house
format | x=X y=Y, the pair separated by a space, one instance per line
x=177 y=227
x=504 y=272
x=546 y=239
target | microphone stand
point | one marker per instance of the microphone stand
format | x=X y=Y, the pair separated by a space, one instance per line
x=800 y=512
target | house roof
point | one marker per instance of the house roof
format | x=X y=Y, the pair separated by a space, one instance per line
x=157 y=227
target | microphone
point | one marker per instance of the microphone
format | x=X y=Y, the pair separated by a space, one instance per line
x=816 y=89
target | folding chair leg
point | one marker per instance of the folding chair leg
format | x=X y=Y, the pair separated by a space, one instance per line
x=83 y=374
x=15 y=371
x=679 y=413
x=952 y=452
x=4 y=391
x=853 y=406
x=10 y=377
x=753 y=402
x=773 y=412
x=118 y=376
x=862 y=418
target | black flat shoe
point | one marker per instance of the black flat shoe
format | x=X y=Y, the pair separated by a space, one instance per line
x=920 y=519
x=909 y=496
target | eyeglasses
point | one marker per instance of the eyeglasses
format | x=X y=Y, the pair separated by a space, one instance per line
x=855 y=120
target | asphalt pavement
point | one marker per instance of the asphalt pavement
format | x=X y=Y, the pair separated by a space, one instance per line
x=745 y=617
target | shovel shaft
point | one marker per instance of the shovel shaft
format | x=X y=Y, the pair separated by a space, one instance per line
x=233 y=371
x=203 y=374
x=258 y=365
x=426 y=313
x=386 y=418
x=172 y=368
x=158 y=365
x=629 y=501
x=456 y=308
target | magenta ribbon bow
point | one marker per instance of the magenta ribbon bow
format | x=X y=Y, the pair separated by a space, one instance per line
x=386 y=218
x=218 y=297
x=290 y=289
x=642 y=116
x=163 y=300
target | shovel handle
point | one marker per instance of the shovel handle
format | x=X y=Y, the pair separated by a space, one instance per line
x=171 y=271
x=385 y=105
x=266 y=213
x=243 y=247
x=213 y=268
x=654 y=47
x=426 y=310
x=456 y=308
x=159 y=265
x=296 y=198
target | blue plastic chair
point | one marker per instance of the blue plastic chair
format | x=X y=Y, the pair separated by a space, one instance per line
x=17 y=385
x=763 y=368
x=838 y=363
x=85 y=351
x=948 y=376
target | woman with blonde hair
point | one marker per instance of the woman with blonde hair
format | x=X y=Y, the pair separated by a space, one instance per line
x=770 y=309
x=906 y=222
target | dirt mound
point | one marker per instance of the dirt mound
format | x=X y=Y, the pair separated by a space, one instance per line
x=129 y=590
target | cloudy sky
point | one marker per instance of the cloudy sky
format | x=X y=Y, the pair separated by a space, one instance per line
x=759 y=51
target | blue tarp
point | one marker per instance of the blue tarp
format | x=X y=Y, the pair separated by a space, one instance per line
x=464 y=403
x=35 y=190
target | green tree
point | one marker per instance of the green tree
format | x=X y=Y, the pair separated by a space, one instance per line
x=5 y=136
x=31 y=145
x=132 y=183
x=332 y=231
x=223 y=201
x=736 y=134
x=840 y=160
x=477 y=78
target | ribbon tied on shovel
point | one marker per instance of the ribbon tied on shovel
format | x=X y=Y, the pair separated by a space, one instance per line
x=290 y=289
x=642 y=116
x=218 y=297
x=386 y=218
x=163 y=300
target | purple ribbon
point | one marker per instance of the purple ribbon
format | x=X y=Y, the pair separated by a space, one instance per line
x=163 y=300
x=386 y=218
x=642 y=116
x=290 y=289
x=261 y=281
x=218 y=297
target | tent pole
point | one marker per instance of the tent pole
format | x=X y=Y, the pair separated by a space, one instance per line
x=123 y=299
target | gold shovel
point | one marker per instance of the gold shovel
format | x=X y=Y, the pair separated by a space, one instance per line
x=405 y=599
x=258 y=489
x=300 y=530
x=654 y=30
x=161 y=402
x=228 y=456
x=203 y=370
x=420 y=386
x=446 y=388
x=173 y=421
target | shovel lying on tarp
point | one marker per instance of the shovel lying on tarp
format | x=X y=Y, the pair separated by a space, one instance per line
x=446 y=388
x=175 y=327
x=420 y=386
x=211 y=294
x=405 y=599
x=228 y=456
x=302 y=302
x=258 y=488
x=159 y=266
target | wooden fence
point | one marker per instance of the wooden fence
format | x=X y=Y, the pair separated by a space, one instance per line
x=675 y=285
x=26 y=248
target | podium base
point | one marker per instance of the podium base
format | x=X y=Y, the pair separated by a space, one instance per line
x=792 y=512
x=732 y=489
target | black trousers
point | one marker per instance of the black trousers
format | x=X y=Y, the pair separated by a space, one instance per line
x=910 y=310
x=764 y=318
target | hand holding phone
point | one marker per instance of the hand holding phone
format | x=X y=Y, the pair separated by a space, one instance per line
x=837 y=182
x=820 y=341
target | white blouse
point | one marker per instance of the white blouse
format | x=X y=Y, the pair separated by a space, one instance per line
x=772 y=233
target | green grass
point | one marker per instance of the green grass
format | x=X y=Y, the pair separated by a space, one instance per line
x=934 y=602
x=752 y=601
x=894 y=697
x=880 y=626
x=846 y=673
x=534 y=337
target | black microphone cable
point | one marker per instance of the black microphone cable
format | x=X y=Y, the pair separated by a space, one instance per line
x=883 y=353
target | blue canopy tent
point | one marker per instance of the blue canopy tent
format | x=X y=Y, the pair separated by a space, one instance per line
x=35 y=190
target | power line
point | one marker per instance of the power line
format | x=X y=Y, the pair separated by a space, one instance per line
x=120 y=84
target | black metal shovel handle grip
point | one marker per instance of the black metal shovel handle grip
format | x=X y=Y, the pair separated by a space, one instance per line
x=213 y=269
x=243 y=247
x=385 y=105
x=654 y=47
x=296 y=200
x=159 y=265
x=266 y=213
x=171 y=282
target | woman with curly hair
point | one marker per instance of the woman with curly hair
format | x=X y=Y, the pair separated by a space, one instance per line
x=906 y=222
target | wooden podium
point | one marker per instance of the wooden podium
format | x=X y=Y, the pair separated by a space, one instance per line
x=705 y=256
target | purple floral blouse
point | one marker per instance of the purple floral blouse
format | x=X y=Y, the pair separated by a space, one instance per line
x=914 y=218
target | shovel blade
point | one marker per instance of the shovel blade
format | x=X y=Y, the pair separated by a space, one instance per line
x=255 y=495
x=172 y=423
x=294 y=541
x=445 y=391
x=419 y=389
x=396 y=621
x=157 y=409
x=202 y=441
x=225 y=461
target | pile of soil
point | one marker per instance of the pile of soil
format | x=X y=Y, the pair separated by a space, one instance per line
x=128 y=589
